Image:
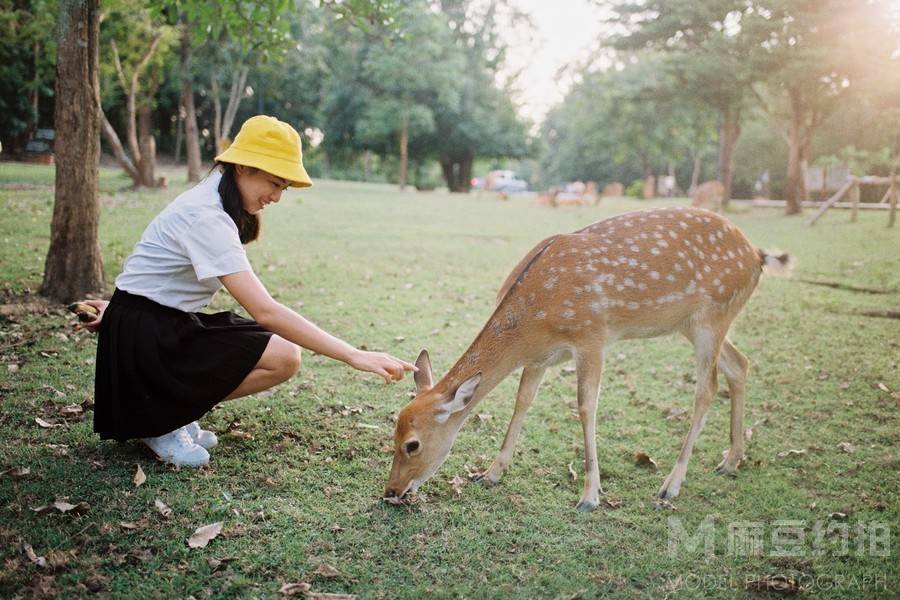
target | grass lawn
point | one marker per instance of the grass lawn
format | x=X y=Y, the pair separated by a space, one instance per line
x=297 y=478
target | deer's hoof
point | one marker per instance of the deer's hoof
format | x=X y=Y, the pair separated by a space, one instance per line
x=727 y=469
x=587 y=505
x=486 y=479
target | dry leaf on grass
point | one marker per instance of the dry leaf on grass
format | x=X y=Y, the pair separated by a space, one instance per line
x=63 y=506
x=16 y=472
x=456 y=483
x=292 y=589
x=38 y=561
x=748 y=434
x=216 y=563
x=140 y=524
x=642 y=459
x=775 y=583
x=139 y=476
x=846 y=447
x=791 y=452
x=324 y=596
x=326 y=571
x=572 y=474
x=164 y=510
x=884 y=388
x=45 y=424
x=664 y=504
x=204 y=535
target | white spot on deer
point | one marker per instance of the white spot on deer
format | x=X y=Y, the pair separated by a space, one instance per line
x=562 y=269
x=632 y=262
x=654 y=275
x=721 y=289
x=691 y=288
x=568 y=313
x=622 y=260
x=657 y=234
x=706 y=269
x=633 y=306
x=654 y=251
x=550 y=282
x=620 y=287
x=681 y=254
x=677 y=267
x=628 y=240
x=690 y=264
x=673 y=235
x=642 y=286
x=683 y=224
x=577 y=290
x=643 y=236
x=670 y=277
x=712 y=238
x=597 y=288
x=662 y=243
x=634 y=248
x=717 y=281
x=719 y=235
x=698 y=276
x=540 y=315
x=629 y=282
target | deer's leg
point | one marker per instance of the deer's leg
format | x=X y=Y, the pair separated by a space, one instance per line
x=528 y=386
x=590 y=369
x=707 y=343
x=734 y=365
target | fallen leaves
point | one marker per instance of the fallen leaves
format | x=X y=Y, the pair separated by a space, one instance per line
x=326 y=571
x=292 y=589
x=456 y=483
x=791 y=453
x=64 y=506
x=204 y=535
x=776 y=583
x=38 y=561
x=46 y=424
x=139 y=525
x=16 y=472
x=161 y=507
x=139 y=476
x=846 y=447
x=572 y=474
x=642 y=459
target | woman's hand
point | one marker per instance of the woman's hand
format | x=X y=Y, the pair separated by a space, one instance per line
x=100 y=305
x=381 y=363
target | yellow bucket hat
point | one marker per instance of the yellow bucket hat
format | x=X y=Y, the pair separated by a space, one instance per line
x=270 y=145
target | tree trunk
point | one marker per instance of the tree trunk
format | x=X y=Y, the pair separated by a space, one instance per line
x=147 y=145
x=404 y=152
x=234 y=101
x=458 y=172
x=217 y=114
x=695 y=174
x=74 y=264
x=729 y=131
x=191 y=133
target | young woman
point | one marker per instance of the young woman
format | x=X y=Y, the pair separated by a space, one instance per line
x=161 y=365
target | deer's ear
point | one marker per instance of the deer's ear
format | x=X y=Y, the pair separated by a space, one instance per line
x=423 y=377
x=461 y=398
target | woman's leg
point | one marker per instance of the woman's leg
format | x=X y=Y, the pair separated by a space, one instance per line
x=279 y=362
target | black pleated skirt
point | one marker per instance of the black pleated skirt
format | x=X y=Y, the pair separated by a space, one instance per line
x=159 y=368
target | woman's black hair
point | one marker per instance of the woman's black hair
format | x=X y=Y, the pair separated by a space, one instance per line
x=247 y=224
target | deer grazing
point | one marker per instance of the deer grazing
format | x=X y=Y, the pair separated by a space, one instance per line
x=709 y=194
x=641 y=274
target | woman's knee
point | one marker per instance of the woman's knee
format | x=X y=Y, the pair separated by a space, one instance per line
x=286 y=357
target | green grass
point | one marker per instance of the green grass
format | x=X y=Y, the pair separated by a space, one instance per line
x=402 y=271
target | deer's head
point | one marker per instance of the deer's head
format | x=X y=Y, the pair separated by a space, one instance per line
x=426 y=429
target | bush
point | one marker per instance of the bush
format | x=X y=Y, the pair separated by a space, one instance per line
x=636 y=189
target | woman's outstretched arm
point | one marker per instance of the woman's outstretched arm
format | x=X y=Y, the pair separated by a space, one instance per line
x=249 y=291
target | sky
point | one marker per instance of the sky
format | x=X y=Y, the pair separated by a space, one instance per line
x=565 y=33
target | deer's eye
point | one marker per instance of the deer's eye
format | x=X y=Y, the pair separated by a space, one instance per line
x=412 y=446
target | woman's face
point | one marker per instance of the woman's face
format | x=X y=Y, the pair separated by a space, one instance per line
x=258 y=188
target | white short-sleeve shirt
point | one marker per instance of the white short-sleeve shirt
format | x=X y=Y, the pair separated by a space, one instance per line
x=184 y=251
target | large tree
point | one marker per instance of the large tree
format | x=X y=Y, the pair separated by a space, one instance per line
x=74 y=266
x=708 y=52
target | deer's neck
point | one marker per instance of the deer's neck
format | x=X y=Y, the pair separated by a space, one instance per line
x=494 y=353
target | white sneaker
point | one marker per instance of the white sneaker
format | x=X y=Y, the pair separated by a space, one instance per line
x=202 y=437
x=178 y=448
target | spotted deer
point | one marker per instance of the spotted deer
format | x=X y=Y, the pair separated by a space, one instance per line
x=637 y=275
x=709 y=195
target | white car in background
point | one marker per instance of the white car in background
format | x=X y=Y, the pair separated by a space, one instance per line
x=501 y=180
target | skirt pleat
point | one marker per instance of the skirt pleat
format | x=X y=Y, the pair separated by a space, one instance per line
x=159 y=368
